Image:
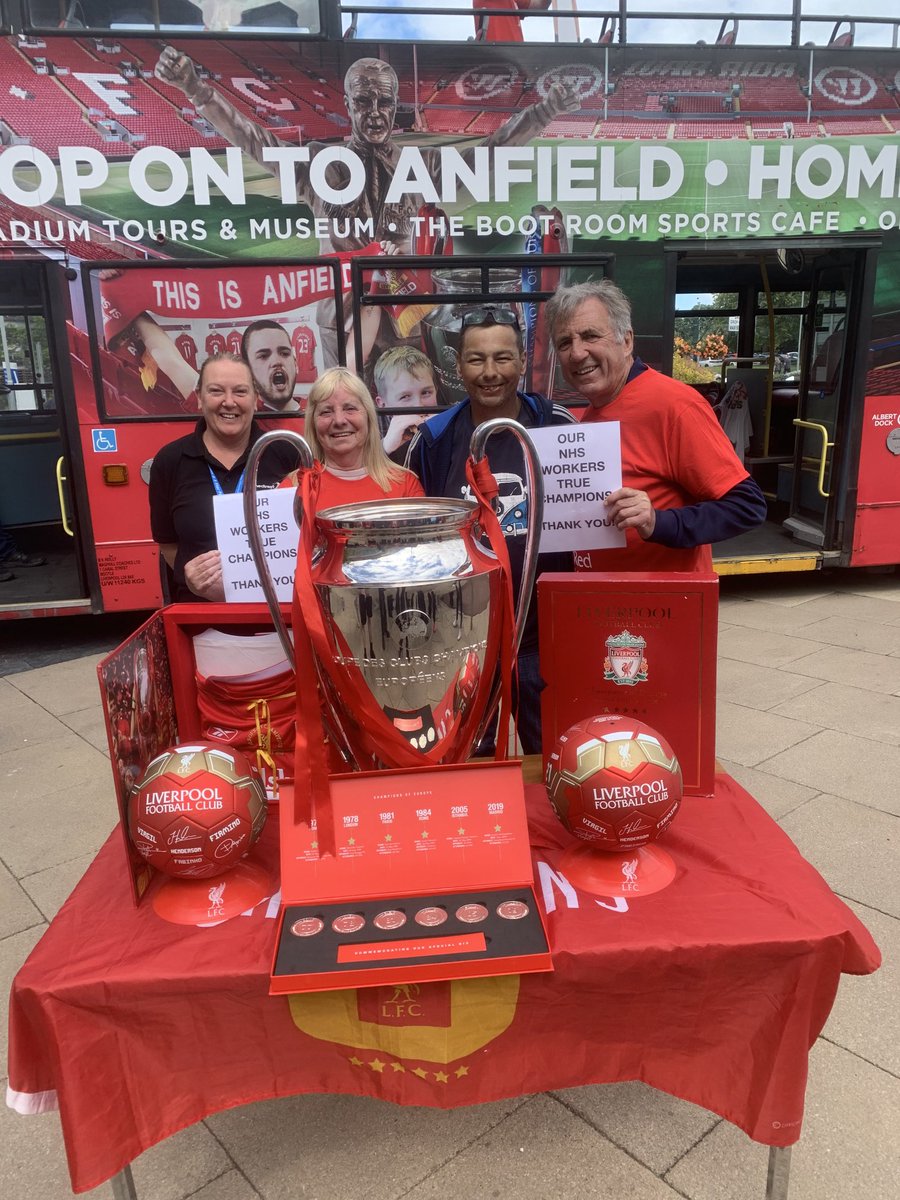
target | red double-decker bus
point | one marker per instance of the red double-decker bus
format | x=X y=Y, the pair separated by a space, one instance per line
x=172 y=172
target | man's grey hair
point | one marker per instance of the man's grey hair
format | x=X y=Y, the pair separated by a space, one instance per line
x=563 y=303
x=371 y=68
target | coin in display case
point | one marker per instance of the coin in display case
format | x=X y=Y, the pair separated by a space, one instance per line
x=471 y=914
x=307 y=927
x=512 y=910
x=348 y=923
x=431 y=916
x=391 y=918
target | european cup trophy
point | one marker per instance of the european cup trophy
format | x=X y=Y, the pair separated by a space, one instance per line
x=403 y=602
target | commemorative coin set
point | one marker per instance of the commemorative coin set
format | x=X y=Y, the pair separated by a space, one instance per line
x=446 y=930
x=431 y=879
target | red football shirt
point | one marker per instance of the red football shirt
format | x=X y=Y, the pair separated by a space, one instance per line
x=674 y=449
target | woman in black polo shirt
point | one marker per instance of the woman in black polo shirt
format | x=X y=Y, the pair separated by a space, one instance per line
x=189 y=472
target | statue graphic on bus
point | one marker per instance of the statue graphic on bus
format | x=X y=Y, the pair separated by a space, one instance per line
x=370 y=94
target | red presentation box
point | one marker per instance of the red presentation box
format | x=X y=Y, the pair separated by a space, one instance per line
x=149 y=697
x=432 y=879
x=642 y=644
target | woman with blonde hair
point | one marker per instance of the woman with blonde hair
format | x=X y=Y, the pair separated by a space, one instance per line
x=342 y=430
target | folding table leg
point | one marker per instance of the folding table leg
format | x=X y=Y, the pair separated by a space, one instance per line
x=123 y=1185
x=779 y=1174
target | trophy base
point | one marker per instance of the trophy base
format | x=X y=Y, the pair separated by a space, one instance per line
x=211 y=901
x=638 y=873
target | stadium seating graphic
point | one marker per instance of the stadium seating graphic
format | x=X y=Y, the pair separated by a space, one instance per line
x=285 y=87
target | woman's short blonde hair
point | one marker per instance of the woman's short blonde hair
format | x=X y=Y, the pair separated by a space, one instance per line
x=375 y=461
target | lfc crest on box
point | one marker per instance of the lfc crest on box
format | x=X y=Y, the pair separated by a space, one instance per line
x=625 y=661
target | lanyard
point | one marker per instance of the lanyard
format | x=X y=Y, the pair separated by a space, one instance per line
x=218 y=486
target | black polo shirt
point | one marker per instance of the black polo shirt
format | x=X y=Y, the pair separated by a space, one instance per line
x=182 y=491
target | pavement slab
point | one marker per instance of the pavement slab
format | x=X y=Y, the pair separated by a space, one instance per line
x=542 y=1150
x=63 y=687
x=50 y=888
x=342 y=1147
x=17 y=910
x=760 y=687
x=763 y=647
x=777 y=796
x=849 y=766
x=874 y=672
x=866 y=1016
x=853 y=846
x=651 y=1126
x=748 y=736
x=849 y=709
x=851 y=1122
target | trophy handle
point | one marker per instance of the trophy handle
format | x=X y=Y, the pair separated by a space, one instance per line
x=254 y=536
x=533 y=536
x=477 y=448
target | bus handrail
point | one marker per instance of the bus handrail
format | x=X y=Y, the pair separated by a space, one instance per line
x=62 y=478
x=815 y=427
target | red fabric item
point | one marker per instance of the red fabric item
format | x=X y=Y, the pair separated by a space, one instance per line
x=304 y=343
x=674 y=449
x=256 y=717
x=712 y=989
x=499 y=29
x=332 y=490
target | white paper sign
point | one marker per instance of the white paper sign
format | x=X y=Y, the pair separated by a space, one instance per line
x=275 y=513
x=580 y=465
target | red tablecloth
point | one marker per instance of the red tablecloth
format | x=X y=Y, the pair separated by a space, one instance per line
x=712 y=989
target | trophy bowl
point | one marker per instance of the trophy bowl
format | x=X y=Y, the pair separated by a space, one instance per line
x=409 y=598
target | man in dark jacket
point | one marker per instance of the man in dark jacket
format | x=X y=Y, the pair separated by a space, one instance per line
x=491 y=362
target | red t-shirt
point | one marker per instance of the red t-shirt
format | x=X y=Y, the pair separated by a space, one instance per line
x=499 y=29
x=674 y=449
x=334 y=490
x=304 y=343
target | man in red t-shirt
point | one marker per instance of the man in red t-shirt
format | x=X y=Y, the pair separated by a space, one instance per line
x=684 y=486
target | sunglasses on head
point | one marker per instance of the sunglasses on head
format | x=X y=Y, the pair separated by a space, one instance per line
x=489 y=315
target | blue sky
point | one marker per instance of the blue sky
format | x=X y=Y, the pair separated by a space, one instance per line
x=677 y=31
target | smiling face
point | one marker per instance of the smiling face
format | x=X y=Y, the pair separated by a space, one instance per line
x=227 y=401
x=342 y=429
x=273 y=367
x=403 y=389
x=593 y=361
x=491 y=365
x=371 y=100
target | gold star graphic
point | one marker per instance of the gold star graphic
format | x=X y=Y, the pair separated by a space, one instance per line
x=388 y=837
x=397 y=1067
x=424 y=833
x=315 y=845
x=351 y=841
x=377 y=1065
x=460 y=831
x=460 y=1071
x=354 y=1061
x=498 y=828
x=441 y=1077
x=422 y=1074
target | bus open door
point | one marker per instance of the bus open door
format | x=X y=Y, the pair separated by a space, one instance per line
x=42 y=504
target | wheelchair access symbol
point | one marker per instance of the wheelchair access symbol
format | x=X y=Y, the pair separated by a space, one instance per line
x=105 y=441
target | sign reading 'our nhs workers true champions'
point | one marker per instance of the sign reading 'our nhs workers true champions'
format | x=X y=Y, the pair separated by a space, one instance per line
x=580 y=466
x=275 y=514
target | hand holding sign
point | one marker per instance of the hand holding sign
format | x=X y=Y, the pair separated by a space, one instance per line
x=581 y=466
x=629 y=508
